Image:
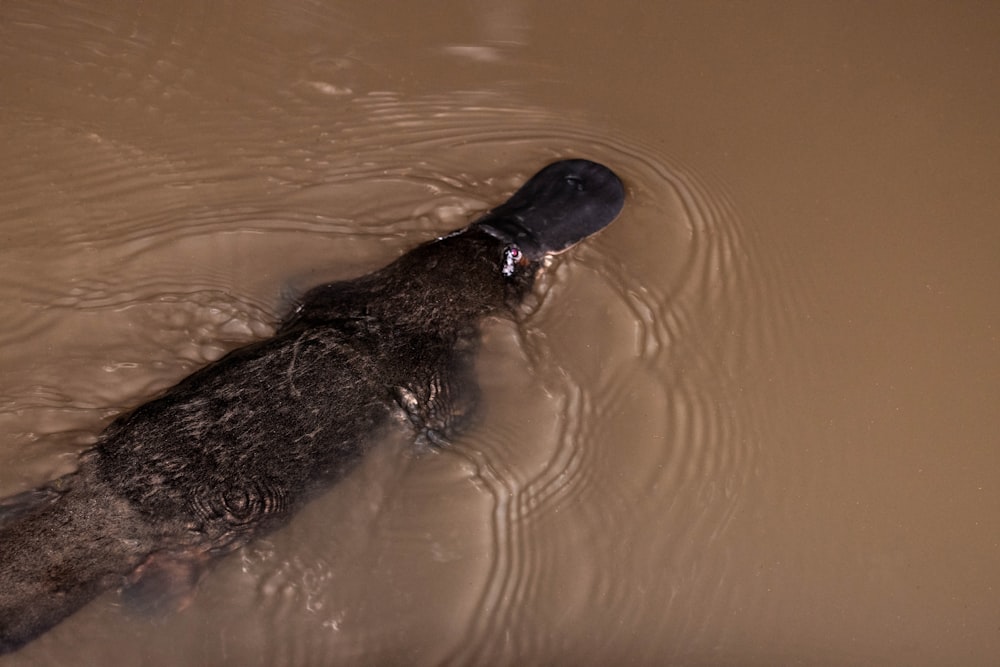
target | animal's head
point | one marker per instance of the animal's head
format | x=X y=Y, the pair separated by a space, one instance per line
x=557 y=208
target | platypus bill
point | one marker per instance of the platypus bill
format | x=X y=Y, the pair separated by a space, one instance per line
x=234 y=449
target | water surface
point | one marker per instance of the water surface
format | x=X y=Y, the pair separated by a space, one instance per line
x=752 y=422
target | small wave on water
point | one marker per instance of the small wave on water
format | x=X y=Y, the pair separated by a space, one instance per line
x=633 y=348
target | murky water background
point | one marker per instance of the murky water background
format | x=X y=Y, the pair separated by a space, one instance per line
x=754 y=422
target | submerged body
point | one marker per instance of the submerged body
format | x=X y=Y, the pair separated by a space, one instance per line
x=232 y=450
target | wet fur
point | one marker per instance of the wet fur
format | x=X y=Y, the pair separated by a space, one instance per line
x=235 y=448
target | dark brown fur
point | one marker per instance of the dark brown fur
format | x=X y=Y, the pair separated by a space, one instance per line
x=233 y=449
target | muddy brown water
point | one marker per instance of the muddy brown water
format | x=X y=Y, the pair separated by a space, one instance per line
x=754 y=422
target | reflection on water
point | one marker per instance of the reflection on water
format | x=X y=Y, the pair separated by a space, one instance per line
x=690 y=450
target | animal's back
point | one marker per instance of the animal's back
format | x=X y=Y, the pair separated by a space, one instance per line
x=223 y=455
x=235 y=445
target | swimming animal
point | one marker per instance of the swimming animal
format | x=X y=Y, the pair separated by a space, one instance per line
x=233 y=449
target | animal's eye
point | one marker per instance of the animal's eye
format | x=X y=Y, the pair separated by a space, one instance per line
x=575 y=182
x=511 y=256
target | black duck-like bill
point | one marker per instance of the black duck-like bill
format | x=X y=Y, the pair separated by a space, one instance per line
x=557 y=208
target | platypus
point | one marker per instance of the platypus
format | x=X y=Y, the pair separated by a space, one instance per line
x=231 y=451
